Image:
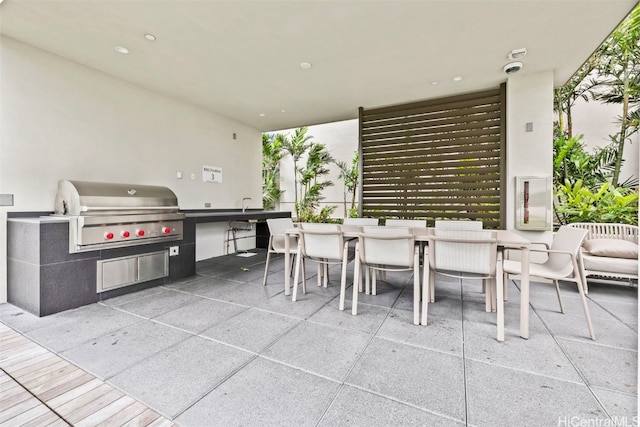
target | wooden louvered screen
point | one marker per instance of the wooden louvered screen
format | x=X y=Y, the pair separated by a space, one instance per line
x=437 y=159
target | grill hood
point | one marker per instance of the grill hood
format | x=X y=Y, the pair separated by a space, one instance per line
x=100 y=198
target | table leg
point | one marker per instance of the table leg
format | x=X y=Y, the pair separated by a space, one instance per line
x=287 y=265
x=524 y=294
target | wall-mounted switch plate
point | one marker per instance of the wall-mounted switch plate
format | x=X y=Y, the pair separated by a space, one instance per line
x=529 y=127
x=174 y=250
x=193 y=175
x=207 y=205
x=6 y=199
x=179 y=174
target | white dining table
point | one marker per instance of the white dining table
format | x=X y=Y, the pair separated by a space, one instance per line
x=507 y=239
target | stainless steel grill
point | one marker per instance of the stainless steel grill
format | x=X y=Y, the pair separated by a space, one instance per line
x=105 y=215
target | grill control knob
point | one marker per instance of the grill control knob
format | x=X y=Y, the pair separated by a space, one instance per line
x=108 y=236
x=140 y=233
x=166 y=230
x=125 y=234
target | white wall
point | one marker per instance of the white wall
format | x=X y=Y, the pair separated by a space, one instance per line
x=341 y=139
x=596 y=121
x=529 y=99
x=61 y=120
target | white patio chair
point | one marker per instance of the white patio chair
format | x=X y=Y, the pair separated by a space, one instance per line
x=458 y=224
x=465 y=254
x=360 y=221
x=277 y=228
x=411 y=223
x=325 y=244
x=562 y=264
x=462 y=224
x=369 y=222
x=387 y=249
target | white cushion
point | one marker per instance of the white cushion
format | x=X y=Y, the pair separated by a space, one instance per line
x=607 y=264
x=615 y=248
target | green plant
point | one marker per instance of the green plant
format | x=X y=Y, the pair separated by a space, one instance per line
x=271 y=156
x=350 y=175
x=296 y=146
x=609 y=204
x=311 y=182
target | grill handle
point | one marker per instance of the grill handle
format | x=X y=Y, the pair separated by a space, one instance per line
x=126 y=208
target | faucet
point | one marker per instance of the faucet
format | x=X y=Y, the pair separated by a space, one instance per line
x=244 y=208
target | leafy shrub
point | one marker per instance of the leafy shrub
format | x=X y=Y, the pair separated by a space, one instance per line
x=579 y=204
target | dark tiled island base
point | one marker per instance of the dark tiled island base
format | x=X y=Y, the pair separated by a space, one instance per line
x=44 y=278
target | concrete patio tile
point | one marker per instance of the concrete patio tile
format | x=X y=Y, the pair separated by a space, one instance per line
x=606 y=367
x=428 y=379
x=112 y=353
x=626 y=312
x=498 y=396
x=442 y=333
x=303 y=308
x=386 y=295
x=243 y=293
x=572 y=305
x=354 y=407
x=252 y=329
x=539 y=354
x=619 y=405
x=614 y=292
x=200 y=315
x=206 y=286
x=191 y=281
x=21 y=320
x=123 y=299
x=156 y=304
x=264 y=393
x=609 y=332
x=319 y=349
x=368 y=320
x=173 y=379
x=73 y=327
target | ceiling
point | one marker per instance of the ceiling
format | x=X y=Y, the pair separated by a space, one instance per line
x=241 y=59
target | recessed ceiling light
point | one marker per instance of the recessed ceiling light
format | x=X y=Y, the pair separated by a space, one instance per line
x=283 y=111
x=433 y=83
x=121 y=49
x=262 y=114
x=150 y=37
x=457 y=78
x=305 y=65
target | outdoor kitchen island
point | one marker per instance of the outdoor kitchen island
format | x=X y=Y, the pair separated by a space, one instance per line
x=43 y=277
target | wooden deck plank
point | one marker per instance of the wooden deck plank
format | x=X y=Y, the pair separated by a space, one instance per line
x=54 y=382
x=13 y=397
x=67 y=389
x=108 y=411
x=73 y=393
x=122 y=417
x=68 y=407
x=38 y=410
x=70 y=384
x=144 y=419
x=46 y=419
x=51 y=376
x=162 y=422
x=19 y=373
x=18 y=409
x=24 y=354
x=32 y=375
x=19 y=364
x=93 y=406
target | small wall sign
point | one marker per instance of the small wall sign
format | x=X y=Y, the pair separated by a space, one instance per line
x=211 y=174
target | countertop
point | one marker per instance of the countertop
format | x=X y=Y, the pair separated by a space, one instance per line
x=202 y=216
